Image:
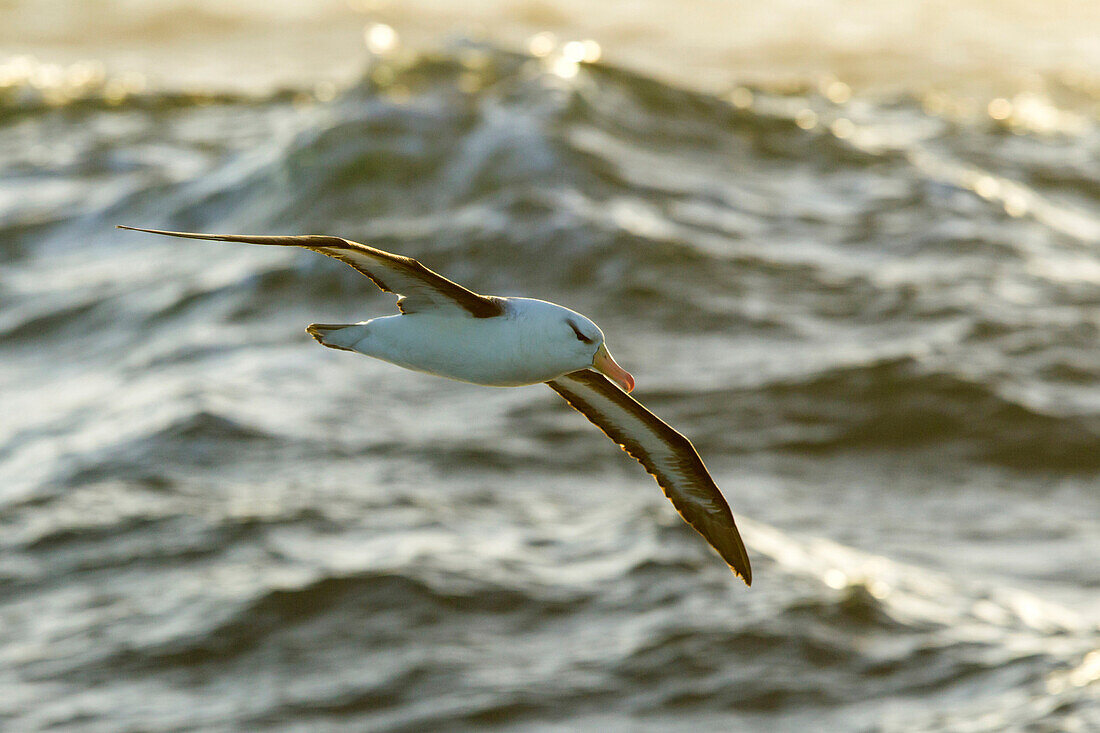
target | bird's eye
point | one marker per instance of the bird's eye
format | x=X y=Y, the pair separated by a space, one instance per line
x=580 y=336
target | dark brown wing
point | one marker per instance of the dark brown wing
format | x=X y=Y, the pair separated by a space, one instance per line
x=665 y=453
x=418 y=287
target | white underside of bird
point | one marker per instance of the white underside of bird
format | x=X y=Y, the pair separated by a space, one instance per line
x=449 y=331
x=515 y=348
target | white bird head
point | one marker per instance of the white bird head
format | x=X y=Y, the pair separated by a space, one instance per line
x=573 y=340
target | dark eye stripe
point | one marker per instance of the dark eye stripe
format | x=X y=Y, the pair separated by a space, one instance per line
x=580 y=335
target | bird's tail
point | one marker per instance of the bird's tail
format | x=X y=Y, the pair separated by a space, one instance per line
x=329 y=334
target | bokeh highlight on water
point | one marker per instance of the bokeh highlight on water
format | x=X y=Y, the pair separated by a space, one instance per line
x=874 y=311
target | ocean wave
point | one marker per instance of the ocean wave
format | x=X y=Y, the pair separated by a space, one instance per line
x=898 y=404
x=154 y=458
x=399 y=603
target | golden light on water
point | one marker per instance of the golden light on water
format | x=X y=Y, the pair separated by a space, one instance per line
x=83 y=73
x=1088 y=672
x=58 y=83
x=1000 y=108
x=1015 y=204
x=574 y=51
x=806 y=119
x=380 y=38
x=541 y=44
x=835 y=578
x=987 y=187
x=564 y=67
x=564 y=62
x=587 y=51
x=843 y=127
x=838 y=92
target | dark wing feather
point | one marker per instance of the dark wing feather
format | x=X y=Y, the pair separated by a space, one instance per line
x=665 y=453
x=418 y=287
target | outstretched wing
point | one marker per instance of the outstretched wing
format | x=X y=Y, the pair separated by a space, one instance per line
x=665 y=453
x=419 y=288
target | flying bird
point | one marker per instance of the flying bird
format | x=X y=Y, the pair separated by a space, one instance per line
x=447 y=330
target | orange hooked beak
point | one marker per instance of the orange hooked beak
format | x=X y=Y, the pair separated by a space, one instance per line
x=603 y=363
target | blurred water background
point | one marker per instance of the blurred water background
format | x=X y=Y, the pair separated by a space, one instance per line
x=850 y=248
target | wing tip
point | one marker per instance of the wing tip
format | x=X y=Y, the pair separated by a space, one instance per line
x=744 y=573
x=736 y=556
x=165 y=232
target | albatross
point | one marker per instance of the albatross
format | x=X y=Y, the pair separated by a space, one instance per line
x=447 y=330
